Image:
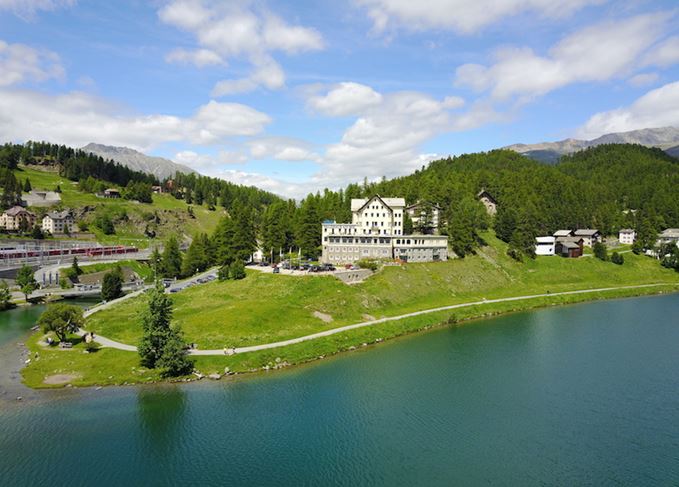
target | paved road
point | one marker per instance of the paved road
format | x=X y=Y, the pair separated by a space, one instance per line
x=342 y=329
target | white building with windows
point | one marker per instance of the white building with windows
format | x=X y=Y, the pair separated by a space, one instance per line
x=627 y=236
x=376 y=232
x=58 y=222
x=545 y=245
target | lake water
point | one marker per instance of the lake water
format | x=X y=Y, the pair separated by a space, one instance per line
x=585 y=394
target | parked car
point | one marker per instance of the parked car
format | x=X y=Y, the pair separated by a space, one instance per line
x=276 y=270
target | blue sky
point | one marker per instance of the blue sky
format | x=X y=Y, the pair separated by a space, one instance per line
x=295 y=96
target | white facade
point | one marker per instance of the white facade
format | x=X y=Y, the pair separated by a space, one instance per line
x=545 y=245
x=378 y=216
x=627 y=236
x=418 y=210
x=376 y=227
x=58 y=222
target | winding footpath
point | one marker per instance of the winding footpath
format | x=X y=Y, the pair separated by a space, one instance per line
x=265 y=346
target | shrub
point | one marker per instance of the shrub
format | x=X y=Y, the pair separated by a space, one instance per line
x=367 y=264
x=600 y=251
x=617 y=258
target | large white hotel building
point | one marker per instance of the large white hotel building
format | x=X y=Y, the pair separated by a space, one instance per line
x=376 y=232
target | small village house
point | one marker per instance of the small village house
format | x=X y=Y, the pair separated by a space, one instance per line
x=111 y=193
x=563 y=233
x=545 y=245
x=570 y=247
x=488 y=201
x=590 y=236
x=58 y=222
x=17 y=218
x=423 y=210
x=157 y=189
x=627 y=236
x=670 y=235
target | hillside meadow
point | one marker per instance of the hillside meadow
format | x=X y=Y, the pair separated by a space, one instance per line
x=265 y=308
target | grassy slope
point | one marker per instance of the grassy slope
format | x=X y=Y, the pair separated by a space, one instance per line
x=142 y=270
x=165 y=204
x=265 y=307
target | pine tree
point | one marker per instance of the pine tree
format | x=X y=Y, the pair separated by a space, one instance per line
x=112 y=284
x=222 y=241
x=244 y=237
x=27 y=186
x=161 y=345
x=172 y=259
x=309 y=228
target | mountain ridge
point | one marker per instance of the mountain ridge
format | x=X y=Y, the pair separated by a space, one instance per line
x=665 y=138
x=158 y=166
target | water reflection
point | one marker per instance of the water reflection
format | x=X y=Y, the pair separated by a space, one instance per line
x=161 y=412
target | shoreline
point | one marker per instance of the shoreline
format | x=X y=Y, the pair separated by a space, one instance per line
x=364 y=336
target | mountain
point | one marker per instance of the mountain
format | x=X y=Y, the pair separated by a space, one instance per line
x=666 y=138
x=158 y=166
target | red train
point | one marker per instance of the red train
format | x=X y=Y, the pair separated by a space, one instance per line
x=88 y=252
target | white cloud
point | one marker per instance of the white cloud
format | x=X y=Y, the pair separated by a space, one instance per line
x=77 y=118
x=26 y=9
x=345 y=99
x=276 y=186
x=665 y=54
x=386 y=137
x=464 y=16
x=20 y=63
x=281 y=148
x=596 y=53
x=237 y=30
x=198 y=57
x=207 y=162
x=643 y=79
x=657 y=108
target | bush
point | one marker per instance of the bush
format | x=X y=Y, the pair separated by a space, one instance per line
x=600 y=251
x=65 y=283
x=367 y=264
x=237 y=270
x=112 y=285
x=617 y=258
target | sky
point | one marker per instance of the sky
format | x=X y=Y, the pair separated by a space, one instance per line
x=294 y=96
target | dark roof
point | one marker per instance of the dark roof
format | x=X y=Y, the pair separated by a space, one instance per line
x=485 y=193
x=586 y=232
x=18 y=210
x=569 y=245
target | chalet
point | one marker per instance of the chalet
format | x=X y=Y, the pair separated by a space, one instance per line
x=627 y=236
x=425 y=210
x=563 y=233
x=671 y=235
x=58 y=222
x=17 y=218
x=157 y=189
x=570 y=247
x=111 y=193
x=488 y=201
x=545 y=245
x=590 y=236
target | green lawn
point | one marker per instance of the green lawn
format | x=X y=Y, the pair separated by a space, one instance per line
x=265 y=307
x=142 y=270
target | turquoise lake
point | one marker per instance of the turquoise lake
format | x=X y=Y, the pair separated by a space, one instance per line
x=584 y=394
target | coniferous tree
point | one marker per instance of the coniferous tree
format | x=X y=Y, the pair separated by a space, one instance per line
x=161 y=345
x=112 y=284
x=27 y=186
x=172 y=258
